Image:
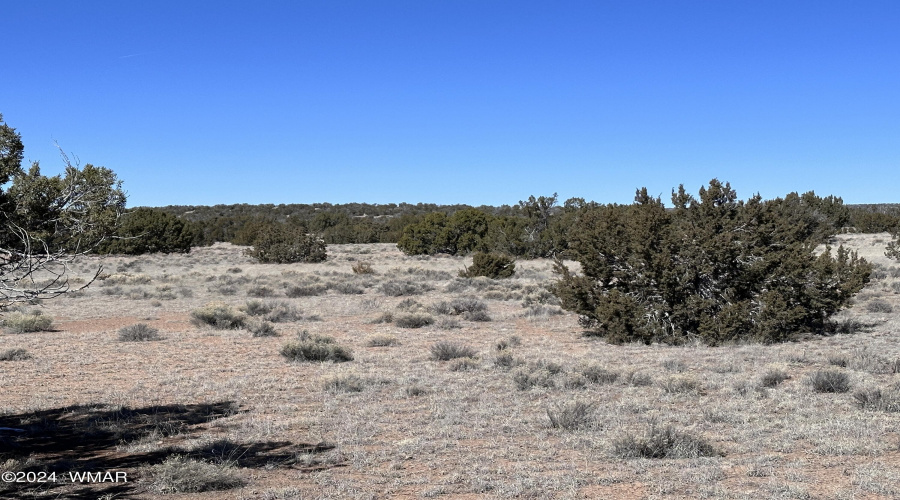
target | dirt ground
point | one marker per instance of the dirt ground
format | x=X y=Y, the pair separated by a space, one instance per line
x=222 y=408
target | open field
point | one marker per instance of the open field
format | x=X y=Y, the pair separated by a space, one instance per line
x=538 y=411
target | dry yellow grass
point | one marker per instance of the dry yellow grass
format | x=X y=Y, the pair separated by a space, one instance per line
x=393 y=423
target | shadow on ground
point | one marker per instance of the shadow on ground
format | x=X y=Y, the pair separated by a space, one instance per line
x=87 y=439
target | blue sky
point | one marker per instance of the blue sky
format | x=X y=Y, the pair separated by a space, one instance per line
x=477 y=102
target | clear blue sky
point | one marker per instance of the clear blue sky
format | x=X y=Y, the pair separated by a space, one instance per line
x=478 y=102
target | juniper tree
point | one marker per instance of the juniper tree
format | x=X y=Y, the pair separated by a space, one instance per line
x=47 y=222
x=714 y=268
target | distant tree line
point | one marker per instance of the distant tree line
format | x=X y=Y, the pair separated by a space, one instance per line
x=536 y=227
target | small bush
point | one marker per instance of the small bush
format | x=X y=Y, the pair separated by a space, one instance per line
x=315 y=348
x=140 y=332
x=382 y=341
x=414 y=320
x=527 y=377
x=282 y=244
x=219 y=316
x=662 y=442
x=344 y=383
x=385 y=317
x=446 y=323
x=274 y=311
x=467 y=305
x=445 y=351
x=571 y=417
x=479 y=316
x=260 y=291
x=838 y=360
x=674 y=365
x=305 y=291
x=396 y=288
x=507 y=361
x=829 y=381
x=178 y=474
x=639 y=379
x=774 y=378
x=348 y=289
x=491 y=265
x=17 y=354
x=362 y=268
x=26 y=322
x=597 y=374
x=463 y=365
x=876 y=399
x=415 y=391
x=879 y=306
x=262 y=329
x=680 y=385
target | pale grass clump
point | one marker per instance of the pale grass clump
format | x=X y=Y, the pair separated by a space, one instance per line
x=662 y=442
x=15 y=354
x=26 y=322
x=315 y=348
x=572 y=416
x=180 y=474
x=140 y=332
x=445 y=351
x=218 y=315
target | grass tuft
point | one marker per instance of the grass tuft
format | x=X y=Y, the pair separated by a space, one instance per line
x=140 y=332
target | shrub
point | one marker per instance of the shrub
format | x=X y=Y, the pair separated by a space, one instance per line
x=348 y=289
x=218 y=315
x=274 y=311
x=315 y=348
x=463 y=365
x=262 y=329
x=712 y=268
x=413 y=320
x=467 y=305
x=491 y=265
x=25 y=322
x=533 y=376
x=574 y=416
x=397 y=288
x=16 y=354
x=145 y=230
x=445 y=351
x=260 y=291
x=385 y=317
x=284 y=244
x=415 y=391
x=597 y=374
x=140 y=332
x=879 y=306
x=362 y=268
x=773 y=378
x=179 y=474
x=507 y=361
x=448 y=323
x=344 y=383
x=876 y=399
x=680 y=385
x=305 y=291
x=382 y=341
x=829 y=381
x=662 y=442
x=479 y=316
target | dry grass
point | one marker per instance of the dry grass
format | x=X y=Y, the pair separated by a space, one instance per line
x=746 y=418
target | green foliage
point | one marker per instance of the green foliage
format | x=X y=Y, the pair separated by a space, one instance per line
x=283 y=244
x=145 y=230
x=492 y=265
x=713 y=268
